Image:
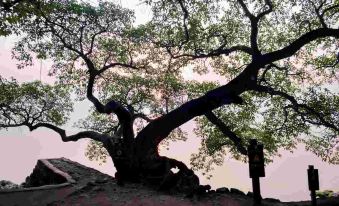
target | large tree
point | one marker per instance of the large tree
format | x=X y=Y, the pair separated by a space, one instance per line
x=276 y=61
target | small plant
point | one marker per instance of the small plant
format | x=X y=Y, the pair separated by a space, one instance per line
x=325 y=194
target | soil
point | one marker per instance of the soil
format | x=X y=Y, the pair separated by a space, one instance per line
x=94 y=188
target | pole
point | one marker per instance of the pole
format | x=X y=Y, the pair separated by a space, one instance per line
x=314 y=198
x=256 y=190
x=313 y=183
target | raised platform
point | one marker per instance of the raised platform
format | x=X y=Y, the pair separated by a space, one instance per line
x=51 y=180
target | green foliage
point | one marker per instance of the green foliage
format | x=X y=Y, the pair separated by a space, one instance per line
x=95 y=151
x=33 y=103
x=12 y=15
x=59 y=30
x=324 y=194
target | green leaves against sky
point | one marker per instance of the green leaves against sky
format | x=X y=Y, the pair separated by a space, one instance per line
x=34 y=102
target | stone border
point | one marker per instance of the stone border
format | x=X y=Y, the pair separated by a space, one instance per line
x=50 y=166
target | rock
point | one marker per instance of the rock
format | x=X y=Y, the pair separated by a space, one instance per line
x=101 y=180
x=91 y=184
x=85 y=196
x=236 y=191
x=98 y=189
x=5 y=184
x=223 y=190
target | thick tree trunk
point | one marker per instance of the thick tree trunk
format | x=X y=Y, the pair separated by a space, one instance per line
x=153 y=170
x=146 y=165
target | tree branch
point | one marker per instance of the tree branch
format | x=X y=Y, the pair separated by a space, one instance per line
x=246 y=10
x=296 y=107
x=217 y=52
x=124 y=116
x=265 y=12
x=295 y=46
x=85 y=134
x=142 y=116
x=254 y=22
x=115 y=64
x=160 y=128
x=186 y=14
x=90 y=50
x=226 y=131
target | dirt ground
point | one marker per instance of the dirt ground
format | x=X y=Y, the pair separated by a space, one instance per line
x=94 y=188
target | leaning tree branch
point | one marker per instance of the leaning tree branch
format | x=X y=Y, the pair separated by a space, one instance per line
x=160 y=128
x=226 y=131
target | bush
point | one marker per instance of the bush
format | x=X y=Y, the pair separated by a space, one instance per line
x=324 y=194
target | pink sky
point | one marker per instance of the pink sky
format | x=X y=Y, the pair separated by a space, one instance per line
x=285 y=179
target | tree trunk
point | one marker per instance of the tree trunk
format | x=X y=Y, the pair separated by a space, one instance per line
x=144 y=164
x=152 y=169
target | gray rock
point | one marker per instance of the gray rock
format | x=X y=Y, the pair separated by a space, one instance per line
x=91 y=184
x=222 y=190
x=97 y=189
x=5 y=184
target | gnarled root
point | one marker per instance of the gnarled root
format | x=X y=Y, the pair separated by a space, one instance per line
x=159 y=174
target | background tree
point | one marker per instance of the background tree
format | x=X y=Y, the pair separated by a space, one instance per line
x=278 y=59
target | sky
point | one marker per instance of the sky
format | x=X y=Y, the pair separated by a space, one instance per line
x=286 y=177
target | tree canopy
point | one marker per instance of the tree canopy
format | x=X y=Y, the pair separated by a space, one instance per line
x=275 y=65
